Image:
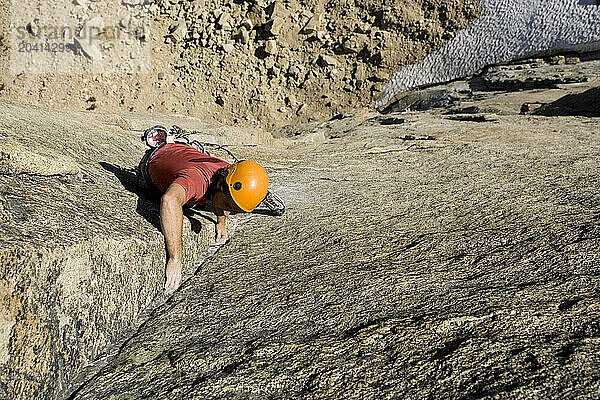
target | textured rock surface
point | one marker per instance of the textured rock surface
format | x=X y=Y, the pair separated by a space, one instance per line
x=537 y=74
x=15 y=159
x=463 y=265
x=507 y=30
x=80 y=253
x=422 y=255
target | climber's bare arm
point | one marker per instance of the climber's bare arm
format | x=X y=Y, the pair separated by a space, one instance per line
x=221 y=226
x=171 y=222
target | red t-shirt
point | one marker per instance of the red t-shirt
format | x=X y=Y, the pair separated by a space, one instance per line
x=182 y=164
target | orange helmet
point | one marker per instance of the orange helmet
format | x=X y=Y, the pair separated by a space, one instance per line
x=248 y=183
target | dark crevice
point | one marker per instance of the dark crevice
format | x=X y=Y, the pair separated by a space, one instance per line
x=199 y=380
x=565 y=352
x=309 y=384
x=568 y=304
x=247 y=355
x=354 y=331
x=448 y=348
x=414 y=242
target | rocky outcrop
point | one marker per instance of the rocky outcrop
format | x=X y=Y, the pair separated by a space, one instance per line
x=420 y=257
x=81 y=253
x=507 y=30
x=430 y=254
x=528 y=76
x=539 y=74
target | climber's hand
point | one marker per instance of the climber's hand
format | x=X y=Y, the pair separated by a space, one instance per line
x=172 y=275
x=221 y=230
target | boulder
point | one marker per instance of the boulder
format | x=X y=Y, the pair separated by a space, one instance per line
x=313 y=24
x=228 y=47
x=88 y=48
x=327 y=61
x=177 y=32
x=257 y=15
x=273 y=26
x=353 y=43
x=271 y=47
x=96 y=22
x=247 y=24
x=243 y=35
x=295 y=70
x=224 y=21
x=276 y=9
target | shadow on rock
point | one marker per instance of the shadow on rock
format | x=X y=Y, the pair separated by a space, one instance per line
x=585 y=104
x=148 y=201
x=148 y=205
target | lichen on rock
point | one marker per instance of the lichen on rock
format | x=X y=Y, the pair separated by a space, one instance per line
x=16 y=159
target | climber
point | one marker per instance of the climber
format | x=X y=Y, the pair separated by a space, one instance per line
x=186 y=176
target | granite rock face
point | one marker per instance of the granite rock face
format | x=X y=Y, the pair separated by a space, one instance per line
x=419 y=257
x=81 y=253
x=507 y=30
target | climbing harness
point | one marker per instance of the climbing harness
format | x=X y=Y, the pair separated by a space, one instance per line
x=157 y=136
